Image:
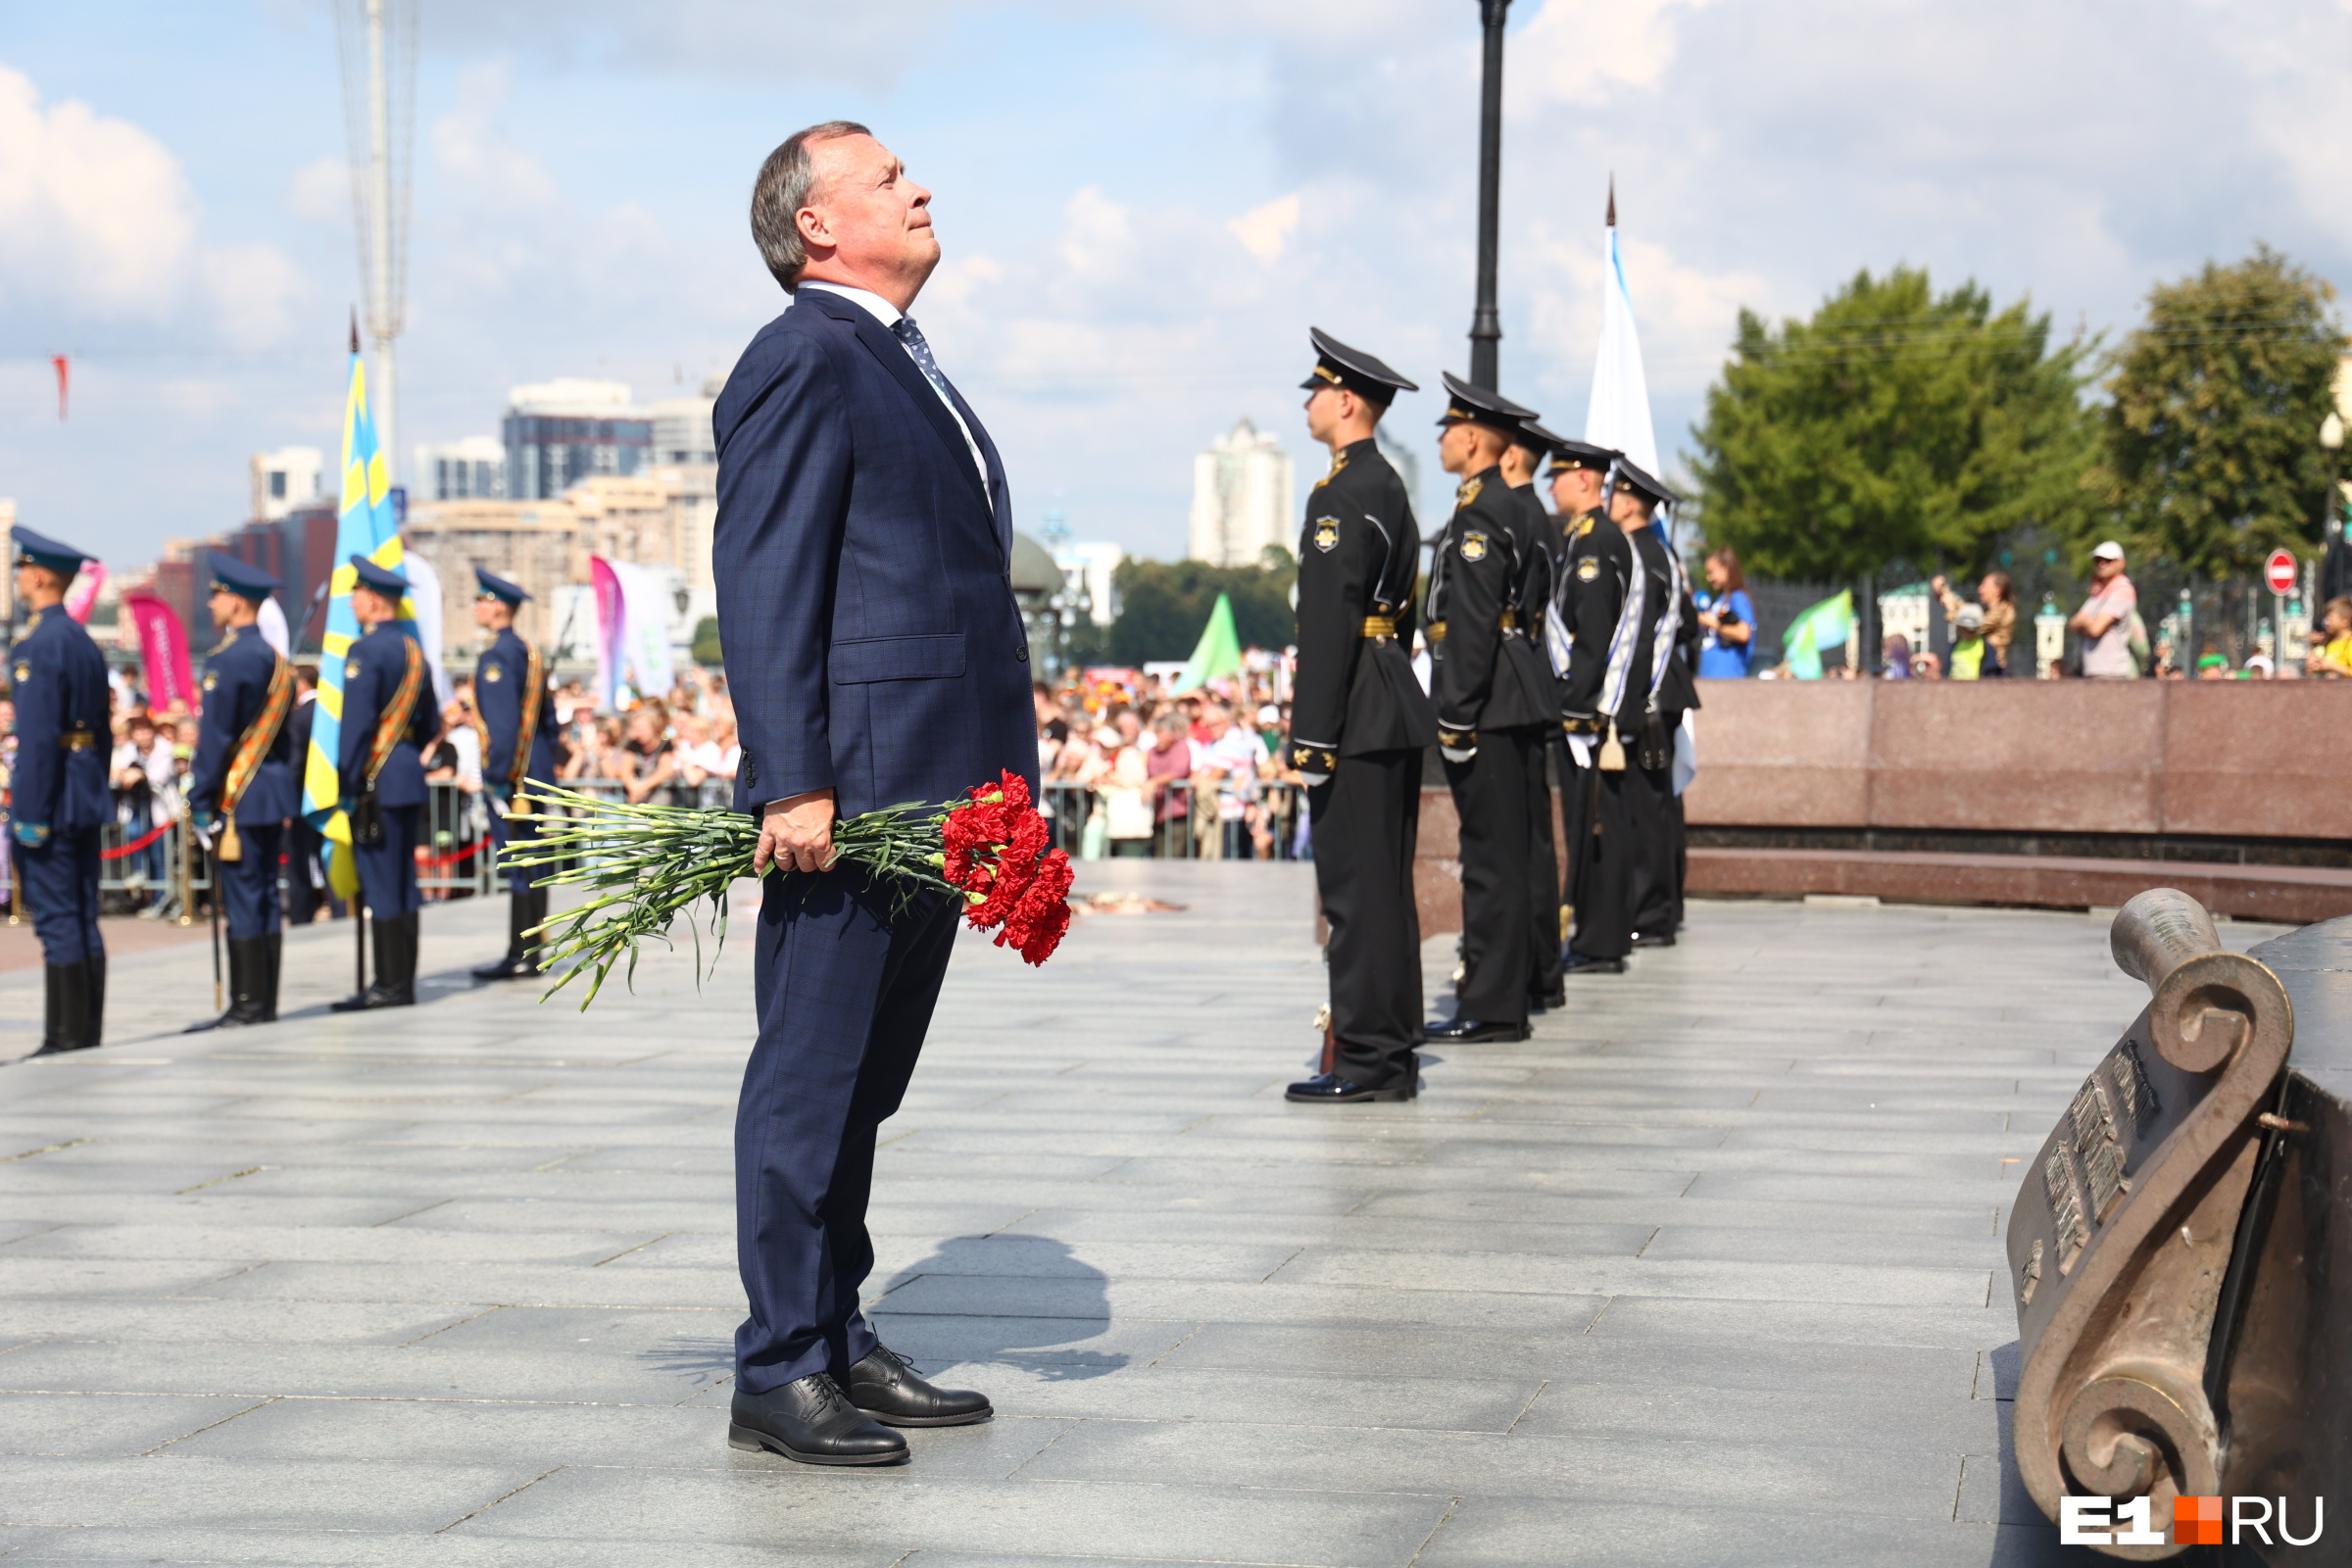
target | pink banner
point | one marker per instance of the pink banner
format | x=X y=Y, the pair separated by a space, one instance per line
x=84 y=592
x=163 y=649
x=611 y=619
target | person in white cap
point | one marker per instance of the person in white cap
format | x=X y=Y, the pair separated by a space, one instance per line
x=2105 y=618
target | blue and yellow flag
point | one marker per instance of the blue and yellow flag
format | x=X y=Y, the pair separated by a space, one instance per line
x=365 y=526
x=1827 y=625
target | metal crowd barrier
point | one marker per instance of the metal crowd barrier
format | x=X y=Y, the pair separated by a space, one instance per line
x=1195 y=833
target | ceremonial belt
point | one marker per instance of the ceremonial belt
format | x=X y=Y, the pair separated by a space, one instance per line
x=394 y=720
x=1511 y=618
x=1435 y=631
x=1380 y=626
x=252 y=747
x=534 y=684
x=78 y=740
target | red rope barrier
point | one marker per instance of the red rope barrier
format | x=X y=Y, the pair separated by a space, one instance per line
x=434 y=862
x=136 y=847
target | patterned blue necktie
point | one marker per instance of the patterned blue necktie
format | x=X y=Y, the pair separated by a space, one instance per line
x=918 y=347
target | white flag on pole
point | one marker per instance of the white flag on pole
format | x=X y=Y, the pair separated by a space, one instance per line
x=1618 y=415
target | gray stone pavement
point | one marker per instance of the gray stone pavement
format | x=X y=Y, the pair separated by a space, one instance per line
x=1707 y=1272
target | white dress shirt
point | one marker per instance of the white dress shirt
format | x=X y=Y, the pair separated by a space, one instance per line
x=888 y=314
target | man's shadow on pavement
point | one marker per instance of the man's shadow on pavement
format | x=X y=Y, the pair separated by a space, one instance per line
x=964 y=1314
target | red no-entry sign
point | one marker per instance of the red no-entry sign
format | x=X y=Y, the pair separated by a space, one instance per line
x=2280 y=571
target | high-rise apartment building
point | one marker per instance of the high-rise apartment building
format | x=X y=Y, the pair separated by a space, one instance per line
x=471 y=470
x=561 y=433
x=1241 y=498
x=283 y=480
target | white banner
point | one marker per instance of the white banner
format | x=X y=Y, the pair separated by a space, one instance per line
x=424 y=600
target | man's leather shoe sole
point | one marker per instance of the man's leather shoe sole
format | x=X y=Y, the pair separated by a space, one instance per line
x=1330 y=1089
x=1580 y=965
x=986 y=1412
x=753 y=1441
x=1663 y=939
x=1473 y=1033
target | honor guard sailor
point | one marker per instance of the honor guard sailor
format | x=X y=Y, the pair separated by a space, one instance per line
x=1539 y=552
x=241 y=786
x=1592 y=629
x=1654 y=811
x=1492 y=698
x=1359 y=724
x=59 y=798
x=519 y=746
x=387 y=716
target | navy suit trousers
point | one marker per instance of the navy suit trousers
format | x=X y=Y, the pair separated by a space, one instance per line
x=61 y=885
x=845 y=988
x=388 y=867
x=249 y=883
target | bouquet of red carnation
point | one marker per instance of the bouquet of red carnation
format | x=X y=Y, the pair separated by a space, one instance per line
x=644 y=866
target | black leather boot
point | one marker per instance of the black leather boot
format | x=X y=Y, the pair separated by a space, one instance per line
x=810 y=1419
x=396 y=967
x=886 y=1387
x=69 y=992
x=94 y=1008
x=274 y=948
x=53 y=1008
x=248 y=969
x=518 y=962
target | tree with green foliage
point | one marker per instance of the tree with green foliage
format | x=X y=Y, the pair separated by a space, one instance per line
x=706 y=649
x=1895 y=424
x=1163 y=605
x=2213 y=458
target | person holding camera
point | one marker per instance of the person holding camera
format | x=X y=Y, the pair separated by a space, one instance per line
x=1729 y=616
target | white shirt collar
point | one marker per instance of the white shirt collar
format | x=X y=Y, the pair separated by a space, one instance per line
x=876 y=306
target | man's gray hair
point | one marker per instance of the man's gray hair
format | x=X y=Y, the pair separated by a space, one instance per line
x=786 y=183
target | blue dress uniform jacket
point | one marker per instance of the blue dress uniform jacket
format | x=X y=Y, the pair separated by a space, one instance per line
x=873 y=643
x=501 y=686
x=58 y=786
x=236 y=687
x=372 y=675
x=873 y=647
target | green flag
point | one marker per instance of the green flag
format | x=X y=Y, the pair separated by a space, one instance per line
x=1826 y=625
x=1217 y=653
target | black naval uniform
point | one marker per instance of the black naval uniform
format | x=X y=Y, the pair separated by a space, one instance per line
x=1538 y=556
x=503 y=692
x=373 y=677
x=1654 y=809
x=1594 y=575
x=1360 y=720
x=59 y=803
x=1488 y=707
x=237 y=682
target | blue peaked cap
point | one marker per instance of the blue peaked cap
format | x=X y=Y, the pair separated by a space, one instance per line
x=499 y=588
x=240 y=577
x=42 y=550
x=384 y=579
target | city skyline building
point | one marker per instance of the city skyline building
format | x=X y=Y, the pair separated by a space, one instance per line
x=1243 y=493
x=470 y=468
x=284 y=481
x=557 y=433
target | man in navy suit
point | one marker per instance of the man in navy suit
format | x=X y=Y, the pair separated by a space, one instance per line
x=876 y=656
x=387 y=718
x=241 y=785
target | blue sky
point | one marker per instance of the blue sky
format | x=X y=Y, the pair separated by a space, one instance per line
x=1144 y=206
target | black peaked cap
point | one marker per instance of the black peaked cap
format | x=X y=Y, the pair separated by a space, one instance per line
x=1338 y=364
x=1639 y=483
x=1479 y=406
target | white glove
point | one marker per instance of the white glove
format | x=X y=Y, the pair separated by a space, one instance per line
x=1579 y=747
x=1312 y=780
x=1457 y=753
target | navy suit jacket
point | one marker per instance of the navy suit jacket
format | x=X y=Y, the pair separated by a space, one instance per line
x=371 y=677
x=236 y=685
x=501 y=686
x=60 y=691
x=864 y=576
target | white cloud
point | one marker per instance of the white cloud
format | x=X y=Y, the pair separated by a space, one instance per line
x=482 y=162
x=1265 y=230
x=98 y=224
x=319 y=191
x=1576 y=49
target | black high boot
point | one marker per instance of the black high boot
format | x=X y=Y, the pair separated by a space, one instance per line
x=518 y=961
x=94 y=1005
x=53 y=1008
x=272 y=950
x=248 y=973
x=395 y=962
x=68 y=994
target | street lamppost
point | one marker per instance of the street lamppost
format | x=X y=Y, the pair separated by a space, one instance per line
x=1485 y=327
x=2332 y=566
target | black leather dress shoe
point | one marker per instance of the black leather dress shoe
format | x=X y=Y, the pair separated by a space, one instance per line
x=1471 y=1032
x=1556 y=996
x=1330 y=1089
x=810 y=1419
x=1578 y=963
x=887 y=1388
x=1654 y=939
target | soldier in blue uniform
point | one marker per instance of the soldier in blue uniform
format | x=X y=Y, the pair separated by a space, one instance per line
x=60 y=796
x=518 y=727
x=387 y=716
x=241 y=786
